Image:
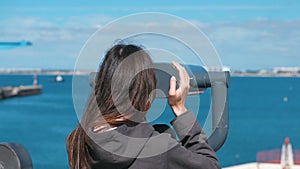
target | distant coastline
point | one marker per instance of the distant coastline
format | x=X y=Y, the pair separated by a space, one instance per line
x=248 y=73
x=275 y=72
x=43 y=72
x=264 y=74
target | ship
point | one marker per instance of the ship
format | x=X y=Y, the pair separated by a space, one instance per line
x=59 y=78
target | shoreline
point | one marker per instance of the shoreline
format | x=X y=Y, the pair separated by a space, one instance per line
x=86 y=72
x=43 y=72
x=264 y=75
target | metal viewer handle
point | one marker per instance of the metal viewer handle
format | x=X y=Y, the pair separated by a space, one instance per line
x=220 y=122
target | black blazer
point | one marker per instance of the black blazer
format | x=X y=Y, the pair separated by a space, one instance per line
x=139 y=146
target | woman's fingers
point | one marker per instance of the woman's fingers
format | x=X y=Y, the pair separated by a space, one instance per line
x=172 y=90
x=183 y=75
x=178 y=96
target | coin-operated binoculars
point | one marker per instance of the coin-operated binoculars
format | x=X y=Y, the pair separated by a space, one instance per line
x=201 y=79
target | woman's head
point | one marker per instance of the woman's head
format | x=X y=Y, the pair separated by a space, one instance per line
x=124 y=89
x=125 y=83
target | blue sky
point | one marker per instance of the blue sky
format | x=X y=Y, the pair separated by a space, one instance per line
x=247 y=34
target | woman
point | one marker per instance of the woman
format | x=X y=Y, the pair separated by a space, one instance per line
x=113 y=132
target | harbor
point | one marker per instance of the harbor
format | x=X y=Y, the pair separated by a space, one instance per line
x=22 y=90
x=10 y=91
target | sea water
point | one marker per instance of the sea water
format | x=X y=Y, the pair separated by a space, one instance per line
x=262 y=112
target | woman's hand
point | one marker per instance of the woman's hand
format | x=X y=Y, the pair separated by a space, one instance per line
x=177 y=97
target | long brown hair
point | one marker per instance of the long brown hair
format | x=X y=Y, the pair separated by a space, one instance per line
x=124 y=88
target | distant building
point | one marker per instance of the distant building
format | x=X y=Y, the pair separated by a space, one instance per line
x=286 y=70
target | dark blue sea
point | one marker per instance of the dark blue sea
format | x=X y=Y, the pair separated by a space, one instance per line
x=260 y=118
